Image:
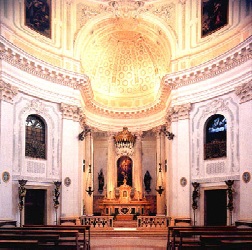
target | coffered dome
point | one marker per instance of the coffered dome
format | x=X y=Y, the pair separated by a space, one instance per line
x=125 y=62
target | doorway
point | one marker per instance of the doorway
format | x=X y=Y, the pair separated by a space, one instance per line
x=215 y=207
x=35 y=207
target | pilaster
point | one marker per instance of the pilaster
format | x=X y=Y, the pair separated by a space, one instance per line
x=70 y=205
x=7 y=93
x=244 y=92
x=180 y=161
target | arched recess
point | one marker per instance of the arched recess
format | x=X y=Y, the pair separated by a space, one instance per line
x=44 y=169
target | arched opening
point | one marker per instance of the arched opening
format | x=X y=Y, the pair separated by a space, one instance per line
x=216 y=137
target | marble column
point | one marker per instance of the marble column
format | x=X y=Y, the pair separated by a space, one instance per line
x=137 y=168
x=111 y=168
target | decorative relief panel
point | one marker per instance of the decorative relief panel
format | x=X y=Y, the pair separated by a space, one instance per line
x=34 y=167
x=215 y=168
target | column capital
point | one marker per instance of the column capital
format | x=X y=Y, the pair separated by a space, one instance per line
x=70 y=112
x=244 y=91
x=7 y=91
x=179 y=112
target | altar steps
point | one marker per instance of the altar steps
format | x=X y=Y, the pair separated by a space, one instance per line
x=126 y=223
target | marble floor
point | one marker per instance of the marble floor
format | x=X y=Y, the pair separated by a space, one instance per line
x=128 y=239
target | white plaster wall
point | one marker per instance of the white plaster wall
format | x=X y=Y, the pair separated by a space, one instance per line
x=6 y=151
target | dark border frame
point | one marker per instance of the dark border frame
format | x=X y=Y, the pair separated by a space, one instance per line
x=214 y=15
x=38 y=16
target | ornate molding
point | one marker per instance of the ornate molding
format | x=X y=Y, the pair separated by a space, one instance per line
x=38 y=106
x=33 y=66
x=211 y=69
x=70 y=112
x=218 y=105
x=7 y=92
x=244 y=91
x=216 y=179
x=37 y=68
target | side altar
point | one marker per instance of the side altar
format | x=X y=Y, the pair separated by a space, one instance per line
x=126 y=203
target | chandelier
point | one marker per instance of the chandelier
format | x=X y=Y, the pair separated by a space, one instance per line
x=124 y=142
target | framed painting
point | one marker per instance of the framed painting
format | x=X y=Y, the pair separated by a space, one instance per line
x=38 y=16
x=214 y=15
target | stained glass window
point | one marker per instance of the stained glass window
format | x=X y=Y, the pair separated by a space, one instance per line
x=35 y=143
x=216 y=137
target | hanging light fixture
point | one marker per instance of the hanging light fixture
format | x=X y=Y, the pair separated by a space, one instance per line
x=89 y=189
x=124 y=142
x=160 y=188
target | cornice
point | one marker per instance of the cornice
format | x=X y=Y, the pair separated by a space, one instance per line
x=229 y=60
x=23 y=61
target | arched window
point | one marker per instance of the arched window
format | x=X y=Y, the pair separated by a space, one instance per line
x=35 y=144
x=216 y=137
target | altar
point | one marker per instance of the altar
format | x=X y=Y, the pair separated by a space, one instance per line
x=126 y=203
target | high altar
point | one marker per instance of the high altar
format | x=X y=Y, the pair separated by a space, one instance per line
x=125 y=204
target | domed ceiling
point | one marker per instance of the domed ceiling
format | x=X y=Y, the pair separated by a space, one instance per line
x=125 y=63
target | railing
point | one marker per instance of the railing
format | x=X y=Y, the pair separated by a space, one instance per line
x=159 y=222
x=97 y=221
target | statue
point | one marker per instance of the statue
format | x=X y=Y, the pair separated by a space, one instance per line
x=147 y=181
x=100 y=181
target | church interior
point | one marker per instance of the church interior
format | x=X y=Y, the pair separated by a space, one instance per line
x=127 y=116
